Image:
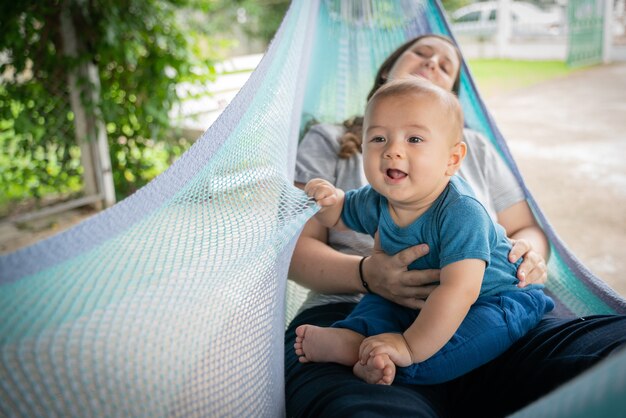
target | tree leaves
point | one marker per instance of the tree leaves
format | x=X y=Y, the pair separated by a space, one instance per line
x=142 y=49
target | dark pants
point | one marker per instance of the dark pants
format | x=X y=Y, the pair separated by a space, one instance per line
x=491 y=326
x=552 y=353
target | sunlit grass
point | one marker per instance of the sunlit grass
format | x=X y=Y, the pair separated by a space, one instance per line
x=500 y=76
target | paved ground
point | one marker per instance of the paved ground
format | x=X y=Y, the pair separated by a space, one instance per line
x=568 y=136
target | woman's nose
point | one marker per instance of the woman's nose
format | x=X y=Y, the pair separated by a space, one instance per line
x=431 y=62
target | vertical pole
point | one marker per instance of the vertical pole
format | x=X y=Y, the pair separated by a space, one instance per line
x=607 y=33
x=101 y=153
x=70 y=49
x=89 y=128
x=503 y=34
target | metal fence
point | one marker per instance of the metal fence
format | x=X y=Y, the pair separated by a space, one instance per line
x=586 y=31
x=54 y=147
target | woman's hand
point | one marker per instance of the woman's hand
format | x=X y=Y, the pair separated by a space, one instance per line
x=529 y=241
x=389 y=277
x=533 y=268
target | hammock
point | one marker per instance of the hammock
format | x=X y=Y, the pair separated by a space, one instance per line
x=172 y=302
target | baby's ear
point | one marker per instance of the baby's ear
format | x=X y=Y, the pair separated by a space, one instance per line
x=457 y=154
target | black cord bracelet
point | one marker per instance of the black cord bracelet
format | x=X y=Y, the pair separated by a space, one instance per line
x=365 y=285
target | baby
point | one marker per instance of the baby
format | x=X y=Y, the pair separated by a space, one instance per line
x=412 y=148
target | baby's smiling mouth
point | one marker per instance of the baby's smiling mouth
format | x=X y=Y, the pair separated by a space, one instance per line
x=395 y=174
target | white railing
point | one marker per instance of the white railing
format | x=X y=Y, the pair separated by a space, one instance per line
x=203 y=104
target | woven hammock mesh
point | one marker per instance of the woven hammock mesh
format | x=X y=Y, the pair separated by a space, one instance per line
x=172 y=302
x=175 y=312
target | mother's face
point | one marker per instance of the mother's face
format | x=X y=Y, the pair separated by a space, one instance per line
x=431 y=58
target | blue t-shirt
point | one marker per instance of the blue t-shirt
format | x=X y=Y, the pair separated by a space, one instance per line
x=456 y=227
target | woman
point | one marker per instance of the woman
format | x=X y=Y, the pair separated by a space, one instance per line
x=552 y=353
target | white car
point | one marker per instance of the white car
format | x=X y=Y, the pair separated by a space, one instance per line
x=480 y=19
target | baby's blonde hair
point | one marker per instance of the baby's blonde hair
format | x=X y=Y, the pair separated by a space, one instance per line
x=419 y=86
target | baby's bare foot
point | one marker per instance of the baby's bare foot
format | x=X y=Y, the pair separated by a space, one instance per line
x=318 y=344
x=379 y=370
x=298 y=346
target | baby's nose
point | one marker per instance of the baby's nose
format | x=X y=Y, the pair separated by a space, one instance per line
x=393 y=153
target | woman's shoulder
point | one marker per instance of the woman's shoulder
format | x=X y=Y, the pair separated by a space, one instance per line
x=323 y=136
x=327 y=130
x=478 y=145
x=318 y=153
x=475 y=138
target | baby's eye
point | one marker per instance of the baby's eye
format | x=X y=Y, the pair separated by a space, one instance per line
x=377 y=139
x=415 y=140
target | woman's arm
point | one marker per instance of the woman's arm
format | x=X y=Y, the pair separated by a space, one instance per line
x=317 y=266
x=529 y=241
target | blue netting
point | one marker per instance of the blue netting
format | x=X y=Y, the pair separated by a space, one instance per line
x=172 y=303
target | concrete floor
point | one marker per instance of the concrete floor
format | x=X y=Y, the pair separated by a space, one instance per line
x=568 y=137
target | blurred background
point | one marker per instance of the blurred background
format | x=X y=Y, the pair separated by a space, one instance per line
x=98 y=98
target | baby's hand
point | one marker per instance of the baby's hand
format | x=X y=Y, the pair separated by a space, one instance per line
x=324 y=193
x=394 y=345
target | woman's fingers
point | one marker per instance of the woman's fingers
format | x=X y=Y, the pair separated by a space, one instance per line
x=422 y=292
x=533 y=270
x=414 y=296
x=409 y=255
x=519 y=248
x=377 y=246
x=412 y=303
x=389 y=276
x=397 y=284
x=422 y=278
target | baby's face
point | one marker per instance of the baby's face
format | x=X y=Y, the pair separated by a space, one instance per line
x=407 y=146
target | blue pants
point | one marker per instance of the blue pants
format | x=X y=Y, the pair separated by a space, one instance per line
x=491 y=326
x=555 y=351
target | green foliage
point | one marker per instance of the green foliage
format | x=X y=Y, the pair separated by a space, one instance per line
x=34 y=118
x=501 y=76
x=143 y=49
x=452 y=5
x=143 y=53
x=264 y=17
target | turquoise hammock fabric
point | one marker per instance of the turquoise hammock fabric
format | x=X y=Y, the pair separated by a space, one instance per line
x=174 y=301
